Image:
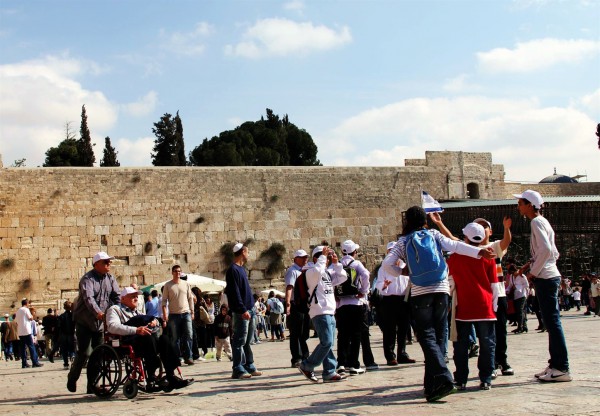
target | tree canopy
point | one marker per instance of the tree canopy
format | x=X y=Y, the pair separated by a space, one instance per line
x=169 y=145
x=109 y=158
x=270 y=142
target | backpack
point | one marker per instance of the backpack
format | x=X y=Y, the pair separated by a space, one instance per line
x=276 y=306
x=425 y=259
x=350 y=285
x=302 y=299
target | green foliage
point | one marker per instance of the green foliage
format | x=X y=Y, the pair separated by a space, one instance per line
x=274 y=257
x=270 y=142
x=84 y=144
x=169 y=147
x=65 y=154
x=109 y=159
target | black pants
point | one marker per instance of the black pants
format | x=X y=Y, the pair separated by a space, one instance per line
x=365 y=338
x=150 y=348
x=396 y=321
x=349 y=320
x=501 y=346
x=299 y=327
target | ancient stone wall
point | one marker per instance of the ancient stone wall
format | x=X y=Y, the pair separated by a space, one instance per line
x=553 y=189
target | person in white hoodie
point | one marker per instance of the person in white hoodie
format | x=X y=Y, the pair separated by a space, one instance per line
x=546 y=279
x=320 y=281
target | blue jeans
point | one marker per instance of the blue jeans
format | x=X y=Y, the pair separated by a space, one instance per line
x=430 y=313
x=243 y=331
x=323 y=353
x=27 y=342
x=180 y=327
x=487 y=346
x=546 y=291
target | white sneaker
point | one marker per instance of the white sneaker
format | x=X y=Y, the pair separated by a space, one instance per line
x=541 y=373
x=355 y=371
x=494 y=374
x=556 y=375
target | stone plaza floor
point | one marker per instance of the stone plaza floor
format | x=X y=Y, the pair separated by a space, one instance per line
x=284 y=391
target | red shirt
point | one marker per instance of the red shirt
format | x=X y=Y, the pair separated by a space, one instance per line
x=473 y=279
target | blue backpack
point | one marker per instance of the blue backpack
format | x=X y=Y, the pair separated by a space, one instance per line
x=426 y=264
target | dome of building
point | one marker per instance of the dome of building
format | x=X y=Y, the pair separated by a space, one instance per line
x=558 y=178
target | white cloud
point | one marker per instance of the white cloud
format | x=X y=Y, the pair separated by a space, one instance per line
x=591 y=102
x=38 y=98
x=460 y=84
x=186 y=43
x=528 y=139
x=295 y=6
x=283 y=37
x=144 y=106
x=537 y=54
x=134 y=152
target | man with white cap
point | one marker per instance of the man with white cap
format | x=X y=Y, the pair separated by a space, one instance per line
x=241 y=303
x=546 y=278
x=395 y=312
x=98 y=290
x=350 y=313
x=137 y=330
x=473 y=279
x=297 y=322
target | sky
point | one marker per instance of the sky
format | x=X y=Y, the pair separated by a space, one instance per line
x=373 y=82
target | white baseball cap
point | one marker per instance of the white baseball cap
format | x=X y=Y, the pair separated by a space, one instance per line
x=532 y=196
x=300 y=253
x=129 y=291
x=317 y=249
x=349 y=247
x=101 y=255
x=237 y=247
x=391 y=245
x=480 y=220
x=474 y=232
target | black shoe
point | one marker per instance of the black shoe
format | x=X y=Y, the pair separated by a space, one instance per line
x=405 y=359
x=179 y=383
x=25 y=366
x=309 y=375
x=72 y=386
x=51 y=358
x=38 y=365
x=440 y=392
x=296 y=364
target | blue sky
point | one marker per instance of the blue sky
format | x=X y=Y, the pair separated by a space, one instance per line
x=374 y=82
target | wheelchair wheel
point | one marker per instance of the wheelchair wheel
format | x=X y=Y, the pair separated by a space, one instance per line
x=130 y=389
x=105 y=364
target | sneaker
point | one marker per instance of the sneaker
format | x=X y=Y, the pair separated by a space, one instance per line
x=373 y=367
x=494 y=374
x=309 y=375
x=341 y=369
x=485 y=386
x=440 y=392
x=555 y=375
x=200 y=359
x=541 y=373
x=334 y=378
x=507 y=370
x=218 y=358
x=355 y=371
x=241 y=376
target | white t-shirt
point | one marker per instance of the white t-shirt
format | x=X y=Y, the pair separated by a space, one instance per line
x=23 y=318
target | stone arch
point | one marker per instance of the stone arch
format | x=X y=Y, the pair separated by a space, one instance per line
x=473 y=190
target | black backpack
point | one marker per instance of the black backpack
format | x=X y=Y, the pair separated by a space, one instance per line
x=350 y=285
x=302 y=299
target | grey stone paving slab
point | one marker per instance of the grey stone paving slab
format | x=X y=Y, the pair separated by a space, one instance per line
x=284 y=391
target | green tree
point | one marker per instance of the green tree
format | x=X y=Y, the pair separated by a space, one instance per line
x=169 y=145
x=109 y=159
x=273 y=141
x=65 y=154
x=84 y=144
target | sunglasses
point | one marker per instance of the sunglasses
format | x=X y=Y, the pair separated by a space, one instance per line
x=107 y=262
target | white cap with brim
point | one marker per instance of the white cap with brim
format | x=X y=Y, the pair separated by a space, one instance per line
x=532 y=196
x=474 y=232
x=101 y=255
x=237 y=247
x=129 y=291
x=482 y=220
x=317 y=249
x=300 y=253
x=349 y=247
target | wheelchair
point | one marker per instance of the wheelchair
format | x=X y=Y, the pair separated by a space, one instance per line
x=115 y=364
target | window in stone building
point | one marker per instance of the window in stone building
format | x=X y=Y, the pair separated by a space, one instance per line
x=473 y=190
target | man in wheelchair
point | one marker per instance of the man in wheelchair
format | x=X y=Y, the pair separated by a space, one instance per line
x=140 y=331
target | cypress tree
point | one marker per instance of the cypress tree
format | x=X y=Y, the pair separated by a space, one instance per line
x=109 y=158
x=84 y=144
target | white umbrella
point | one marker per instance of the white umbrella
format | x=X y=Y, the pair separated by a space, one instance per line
x=278 y=293
x=205 y=284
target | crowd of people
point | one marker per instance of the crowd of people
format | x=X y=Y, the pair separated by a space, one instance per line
x=467 y=298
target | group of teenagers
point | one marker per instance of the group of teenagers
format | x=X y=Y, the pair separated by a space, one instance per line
x=417 y=278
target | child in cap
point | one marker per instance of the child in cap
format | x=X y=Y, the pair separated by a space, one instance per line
x=473 y=279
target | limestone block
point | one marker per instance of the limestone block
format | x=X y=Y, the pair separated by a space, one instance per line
x=150 y=260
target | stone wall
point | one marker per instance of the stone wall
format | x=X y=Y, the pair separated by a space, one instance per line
x=553 y=189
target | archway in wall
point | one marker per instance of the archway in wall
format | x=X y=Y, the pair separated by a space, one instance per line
x=473 y=190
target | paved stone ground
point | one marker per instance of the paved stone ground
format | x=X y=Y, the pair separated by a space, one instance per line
x=284 y=391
